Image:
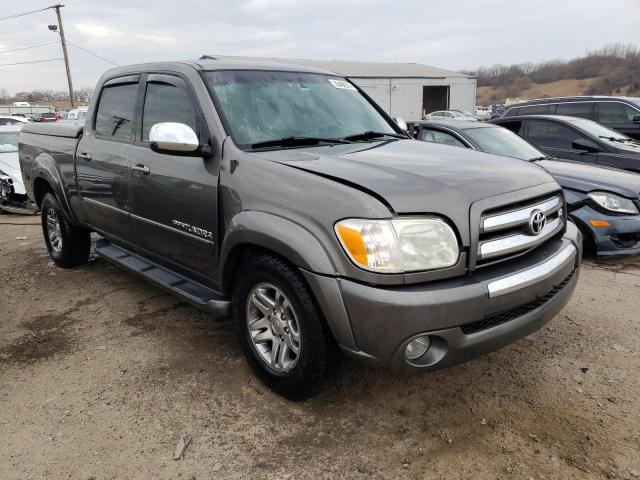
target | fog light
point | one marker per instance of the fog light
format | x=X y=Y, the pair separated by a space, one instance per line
x=417 y=348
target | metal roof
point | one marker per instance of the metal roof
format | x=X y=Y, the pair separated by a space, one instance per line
x=356 y=69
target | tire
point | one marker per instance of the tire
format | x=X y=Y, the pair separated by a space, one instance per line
x=68 y=245
x=317 y=362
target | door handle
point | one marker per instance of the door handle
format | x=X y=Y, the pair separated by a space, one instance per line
x=85 y=156
x=141 y=169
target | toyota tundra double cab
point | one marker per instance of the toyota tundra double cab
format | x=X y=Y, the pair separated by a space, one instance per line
x=284 y=197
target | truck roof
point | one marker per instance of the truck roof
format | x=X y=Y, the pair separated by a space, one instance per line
x=212 y=63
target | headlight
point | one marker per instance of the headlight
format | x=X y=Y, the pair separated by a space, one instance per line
x=614 y=203
x=396 y=246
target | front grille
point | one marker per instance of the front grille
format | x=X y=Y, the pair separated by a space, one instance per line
x=516 y=312
x=506 y=231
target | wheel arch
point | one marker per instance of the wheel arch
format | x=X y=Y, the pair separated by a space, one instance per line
x=46 y=178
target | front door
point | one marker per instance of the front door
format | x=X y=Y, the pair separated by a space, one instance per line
x=556 y=139
x=102 y=160
x=174 y=210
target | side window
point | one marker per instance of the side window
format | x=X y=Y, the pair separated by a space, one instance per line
x=576 y=109
x=615 y=112
x=164 y=102
x=512 y=112
x=551 y=134
x=534 y=110
x=115 y=111
x=436 y=136
x=515 y=127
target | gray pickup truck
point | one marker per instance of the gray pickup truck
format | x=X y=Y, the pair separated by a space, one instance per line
x=286 y=198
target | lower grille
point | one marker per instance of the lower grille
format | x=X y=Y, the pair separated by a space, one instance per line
x=508 y=315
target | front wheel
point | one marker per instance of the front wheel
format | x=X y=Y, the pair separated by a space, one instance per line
x=68 y=245
x=282 y=330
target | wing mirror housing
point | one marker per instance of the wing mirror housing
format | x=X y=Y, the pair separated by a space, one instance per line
x=401 y=123
x=585 y=145
x=177 y=139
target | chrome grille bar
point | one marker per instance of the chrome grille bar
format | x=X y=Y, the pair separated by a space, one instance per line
x=519 y=241
x=517 y=217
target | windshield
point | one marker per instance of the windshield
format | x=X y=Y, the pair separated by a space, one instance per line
x=260 y=106
x=8 y=142
x=503 y=142
x=599 y=131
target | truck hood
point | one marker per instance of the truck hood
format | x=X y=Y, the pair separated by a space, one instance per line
x=586 y=178
x=416 y=177
x=10 y=165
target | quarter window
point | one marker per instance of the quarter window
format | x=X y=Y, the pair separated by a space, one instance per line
x=551 y=134
x=616 y=112
x=115 y=111
x=576 y=109
x=166 y=103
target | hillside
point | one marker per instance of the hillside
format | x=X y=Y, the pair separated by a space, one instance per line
x=613 y=70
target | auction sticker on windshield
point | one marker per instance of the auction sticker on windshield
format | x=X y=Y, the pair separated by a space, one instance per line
x=343 y=84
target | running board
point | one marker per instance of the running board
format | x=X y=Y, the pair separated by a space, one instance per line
x=196 y=294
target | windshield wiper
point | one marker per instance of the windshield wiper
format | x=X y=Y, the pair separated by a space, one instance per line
x=613 y=139
x=537 y=159
x=297 y=142
x=370 y=134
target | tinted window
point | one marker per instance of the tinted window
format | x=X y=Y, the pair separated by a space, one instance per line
x=534 y=110
x=166 y=103
x=435 y=136
x=115 y=111
x=576 y=109
x=616 y=112
x=551 y=134
x=503 y=142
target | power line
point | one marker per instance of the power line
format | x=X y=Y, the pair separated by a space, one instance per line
x=32 y=61
x=27 y=48
x=91 y=53
x=16 y=15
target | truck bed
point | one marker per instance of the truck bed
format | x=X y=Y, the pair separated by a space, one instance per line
x=66 y=129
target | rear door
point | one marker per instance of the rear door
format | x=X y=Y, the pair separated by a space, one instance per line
x=556 y=139
x=175 y=206
x=102 y=159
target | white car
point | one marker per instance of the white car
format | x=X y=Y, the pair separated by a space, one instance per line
x=483 y=113
x=11 y=120
x=78 y=113
x=454 y=115
x=13 y=196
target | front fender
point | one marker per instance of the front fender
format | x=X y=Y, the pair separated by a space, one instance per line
x=300 y=247
x=282 y=236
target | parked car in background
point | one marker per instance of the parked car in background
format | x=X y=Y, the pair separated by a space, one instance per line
x=46 y=117
x=449 y=115
x=13 y=196
x=618 y=113
x=483 y=113
x=603 y=202
x=497 y=111
x=577 y=139
x=284 y=197
x=78 y=113
x=11 y=120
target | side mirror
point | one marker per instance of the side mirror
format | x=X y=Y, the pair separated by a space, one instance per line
x=170 y=137
x=636 y=119
x=585 y=145
x=401 y=123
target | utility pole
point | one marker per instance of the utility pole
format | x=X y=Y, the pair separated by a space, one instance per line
x=66 y=57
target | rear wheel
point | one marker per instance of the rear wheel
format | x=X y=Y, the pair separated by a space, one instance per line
x=68 y=245
x=282 y=330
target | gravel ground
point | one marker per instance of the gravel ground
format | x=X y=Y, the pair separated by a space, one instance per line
x=101 y=374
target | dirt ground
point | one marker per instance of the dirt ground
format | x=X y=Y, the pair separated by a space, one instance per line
x=101 y=374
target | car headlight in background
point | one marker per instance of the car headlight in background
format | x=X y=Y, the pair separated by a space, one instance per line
x=400 y=245
x=613 y=203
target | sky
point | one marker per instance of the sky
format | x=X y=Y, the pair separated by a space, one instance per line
x=451 y=34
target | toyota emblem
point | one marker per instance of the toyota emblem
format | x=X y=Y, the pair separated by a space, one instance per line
x=537 y=222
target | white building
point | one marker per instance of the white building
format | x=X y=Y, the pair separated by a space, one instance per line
x=406 y=90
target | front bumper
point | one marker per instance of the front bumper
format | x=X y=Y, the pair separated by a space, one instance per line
x=465 y=316
x=617 y=238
